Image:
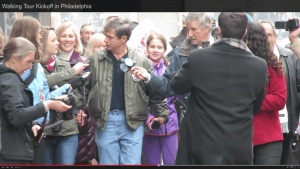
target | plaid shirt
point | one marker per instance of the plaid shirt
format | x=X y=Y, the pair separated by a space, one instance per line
x=233 y=42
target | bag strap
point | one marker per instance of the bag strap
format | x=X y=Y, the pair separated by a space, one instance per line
x=32 y=75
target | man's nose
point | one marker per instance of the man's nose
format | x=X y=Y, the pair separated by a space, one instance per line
x=189 y=34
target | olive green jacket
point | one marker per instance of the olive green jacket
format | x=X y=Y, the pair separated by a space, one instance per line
x=136 y=99
x=62 y=74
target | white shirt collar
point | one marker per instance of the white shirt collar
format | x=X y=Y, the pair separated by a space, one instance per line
x=276 y=51
x=211 y=41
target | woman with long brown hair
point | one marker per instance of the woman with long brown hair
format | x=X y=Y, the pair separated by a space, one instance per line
x=162 y=141
x=267 y=137
x=30 y=28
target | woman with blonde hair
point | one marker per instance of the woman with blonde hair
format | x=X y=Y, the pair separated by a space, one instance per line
x=87 y=149
x=96 y=43
x=62 y=62
x=70 y=47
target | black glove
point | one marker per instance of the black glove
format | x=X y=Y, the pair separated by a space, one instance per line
x=77 y=82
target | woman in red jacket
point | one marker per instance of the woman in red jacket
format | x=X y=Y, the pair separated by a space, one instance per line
x=267 y=137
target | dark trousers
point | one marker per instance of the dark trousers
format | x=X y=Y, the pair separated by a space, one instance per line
x=39 y=153
x=267 y=154
x=285 y=148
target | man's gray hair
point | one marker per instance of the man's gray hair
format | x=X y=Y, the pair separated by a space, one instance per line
x=123 y=27
x=200 y=17
x=86 y=24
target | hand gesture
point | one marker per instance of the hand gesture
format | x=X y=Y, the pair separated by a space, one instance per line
x=293 y=34
x=140 y=73
x=159 y=119
x=57 y=105
x=81 y=117
x=35 y=129
x=79 y=67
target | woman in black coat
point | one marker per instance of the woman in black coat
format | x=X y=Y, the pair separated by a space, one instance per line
x=16 y=110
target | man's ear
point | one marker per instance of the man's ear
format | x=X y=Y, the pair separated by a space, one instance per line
x=220 y=32
x=207 y=29
x=124 y=38
x=13 y=59
x=244 y=34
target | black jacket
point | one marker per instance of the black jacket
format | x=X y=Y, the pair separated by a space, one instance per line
x=16 y=115
x=161 y=84
x=227 y=87
x=293 y=86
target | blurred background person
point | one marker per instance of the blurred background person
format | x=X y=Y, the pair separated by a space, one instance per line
x=17 y=112
x=289 y=116
x=161 y=142
x=87 y=149
x=2 y=38
x=86 y=31
x=95 y=44
x=267 y=137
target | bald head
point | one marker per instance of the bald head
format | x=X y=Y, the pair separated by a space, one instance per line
x=270 y=31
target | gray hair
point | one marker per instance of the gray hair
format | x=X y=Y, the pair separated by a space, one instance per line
x=19 y=46
x=123 y=27
x=200 y=17
x=86 y=24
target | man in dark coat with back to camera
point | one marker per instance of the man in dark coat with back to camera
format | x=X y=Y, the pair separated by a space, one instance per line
x=227 y=84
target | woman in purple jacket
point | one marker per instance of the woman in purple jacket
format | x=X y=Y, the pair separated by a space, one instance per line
x=164 y=139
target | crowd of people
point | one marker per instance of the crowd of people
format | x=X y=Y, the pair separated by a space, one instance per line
x=79 y=97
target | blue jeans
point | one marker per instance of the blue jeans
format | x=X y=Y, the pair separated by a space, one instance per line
x=61 y=150
x=117 y=143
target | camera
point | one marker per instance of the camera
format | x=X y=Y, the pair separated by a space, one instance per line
x=288 y=25
x=155 y=124
x=68 y=99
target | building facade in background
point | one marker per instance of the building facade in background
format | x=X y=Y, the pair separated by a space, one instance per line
x=169 y=23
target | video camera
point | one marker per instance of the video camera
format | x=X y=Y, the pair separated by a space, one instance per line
x=287 y=25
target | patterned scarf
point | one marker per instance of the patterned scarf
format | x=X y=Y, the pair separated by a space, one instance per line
x=50 y=64
x=233 y=42
x=75 y=58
